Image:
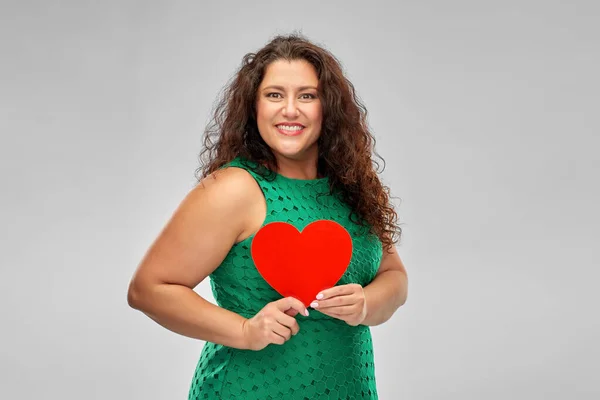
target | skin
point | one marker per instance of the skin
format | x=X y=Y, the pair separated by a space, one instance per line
x=226 y=208
x=288 y=93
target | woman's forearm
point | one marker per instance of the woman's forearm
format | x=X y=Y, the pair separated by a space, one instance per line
x=181 y=310
x=384 y=295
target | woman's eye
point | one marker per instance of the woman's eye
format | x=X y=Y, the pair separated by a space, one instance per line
x=305 y=96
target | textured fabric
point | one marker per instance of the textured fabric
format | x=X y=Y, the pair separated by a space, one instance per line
x=327 y=359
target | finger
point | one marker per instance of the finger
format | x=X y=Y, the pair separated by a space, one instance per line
x=282 y=331
x=334 y=302
x=291 y=312
x=336 y=291
x=290 y=302
x=331 y=314
x=344 y=310
x=277 y=339
x=289 y=322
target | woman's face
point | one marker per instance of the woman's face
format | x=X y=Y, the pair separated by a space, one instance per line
x=288 y=109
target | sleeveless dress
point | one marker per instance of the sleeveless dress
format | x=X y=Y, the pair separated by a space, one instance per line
x=327 y=359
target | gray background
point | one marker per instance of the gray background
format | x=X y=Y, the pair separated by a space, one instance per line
x=486 y=113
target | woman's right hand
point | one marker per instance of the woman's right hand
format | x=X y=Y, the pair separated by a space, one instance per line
x=274 y=324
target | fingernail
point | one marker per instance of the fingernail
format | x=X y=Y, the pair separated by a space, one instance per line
x=314 y=304
x=306 y=312
x=319 y=296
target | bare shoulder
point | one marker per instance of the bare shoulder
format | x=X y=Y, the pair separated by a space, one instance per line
x=228 y=182
x=202 y=230
x=240 y=195
x=226 y=194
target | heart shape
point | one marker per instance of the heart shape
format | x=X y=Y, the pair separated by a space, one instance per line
x=301 y=264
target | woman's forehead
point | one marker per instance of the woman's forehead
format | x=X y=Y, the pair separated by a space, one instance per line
x=295 y=74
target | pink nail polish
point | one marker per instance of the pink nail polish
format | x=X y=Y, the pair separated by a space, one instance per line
x=319 y=296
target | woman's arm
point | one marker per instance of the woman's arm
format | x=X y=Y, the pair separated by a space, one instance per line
x=388 y=291
x=210 y=219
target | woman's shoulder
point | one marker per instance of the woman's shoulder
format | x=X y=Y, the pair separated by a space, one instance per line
x=232 y=194
x=229 y=180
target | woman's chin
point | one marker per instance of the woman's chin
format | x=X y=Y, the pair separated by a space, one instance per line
x=293 y=150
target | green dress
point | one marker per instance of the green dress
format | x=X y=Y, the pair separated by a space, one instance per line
x=327 y=359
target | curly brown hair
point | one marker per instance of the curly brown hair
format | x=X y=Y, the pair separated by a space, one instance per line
x=345 y=144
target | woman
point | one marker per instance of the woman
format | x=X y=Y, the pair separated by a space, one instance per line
x=289 y=143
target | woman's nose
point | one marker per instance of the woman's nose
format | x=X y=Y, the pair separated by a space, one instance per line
x=291 y=109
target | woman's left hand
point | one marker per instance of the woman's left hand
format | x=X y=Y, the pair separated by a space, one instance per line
x=345 y=302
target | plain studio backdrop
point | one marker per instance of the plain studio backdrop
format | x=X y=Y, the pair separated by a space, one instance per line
x=485 y=112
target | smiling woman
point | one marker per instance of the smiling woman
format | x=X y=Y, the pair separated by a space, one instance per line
x=289 y=144
x=289 y=113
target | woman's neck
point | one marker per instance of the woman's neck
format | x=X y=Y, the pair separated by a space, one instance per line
x=298 y=169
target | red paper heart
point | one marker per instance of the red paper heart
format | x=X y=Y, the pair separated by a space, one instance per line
x=301 y=264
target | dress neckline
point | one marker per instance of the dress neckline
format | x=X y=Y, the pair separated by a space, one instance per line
x=298 y=180
x=288 y=179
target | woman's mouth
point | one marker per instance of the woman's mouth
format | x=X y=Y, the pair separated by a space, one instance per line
x=290 y=130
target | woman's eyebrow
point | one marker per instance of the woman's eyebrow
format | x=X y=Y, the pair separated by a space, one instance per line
x=283 y=89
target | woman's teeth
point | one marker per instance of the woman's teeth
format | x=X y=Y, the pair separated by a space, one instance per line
x=290 y=128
